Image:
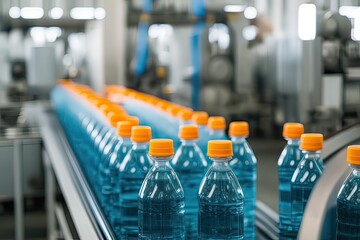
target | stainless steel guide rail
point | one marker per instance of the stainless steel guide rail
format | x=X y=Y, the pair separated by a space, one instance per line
x=85 y=211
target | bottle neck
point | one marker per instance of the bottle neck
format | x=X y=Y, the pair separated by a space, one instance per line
x=217 y=131
x=161 y=161
x=184 y=122
x=221 y=164
x=355 y=169
x=312 y=154
x=188 y=142
x=293 y=141
x=235 y=139
x=221 y=160
x=126 y=140
x=140 y=146
x=201 y=126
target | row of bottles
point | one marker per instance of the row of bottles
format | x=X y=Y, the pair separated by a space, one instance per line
x=299 y=168
x=117 y=161
x=199 y=188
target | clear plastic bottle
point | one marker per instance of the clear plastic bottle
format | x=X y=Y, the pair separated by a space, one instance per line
x=217 y=126
x=305 y=177
x=161 y=198
x=190 y=165
x=185 y=116
x=348 y=199
x=133 y=170
x=287 y=163
x=201 y=120
x=173 y=110
x=244 y=165
x=221 y=199
x=109 y=171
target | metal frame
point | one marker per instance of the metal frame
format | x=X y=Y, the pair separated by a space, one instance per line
x=85 y=211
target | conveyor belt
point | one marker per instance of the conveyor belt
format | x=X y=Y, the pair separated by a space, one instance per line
x=87 y=216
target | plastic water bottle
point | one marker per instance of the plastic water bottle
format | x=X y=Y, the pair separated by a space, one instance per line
x=185 y=116
x=190 y=165
x=109 y=171
x=217 y=127
x=173 y=110
x=133 y=170
x=201 y=120
x=244 y=165
x=348 y=208
x=305 y=177
x=287 y=163
x=221 y=198
x=161 y=198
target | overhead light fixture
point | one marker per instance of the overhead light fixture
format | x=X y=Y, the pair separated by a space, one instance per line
x=349 y=11
x=250 y=13
x=100 y=13
x=250 y=32
x=307 y=22
x=15 y=12
x=56 y=13
x=52 y=33
x=32 y=12
x=234 y=8
x=38 y=35
x=82 y=13
x=352 y=12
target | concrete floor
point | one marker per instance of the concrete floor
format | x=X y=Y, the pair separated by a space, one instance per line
x=267 y=152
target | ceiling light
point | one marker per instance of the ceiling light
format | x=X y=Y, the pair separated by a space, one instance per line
x=56 y=13
x=250 y=13
x=100 y=13
x=234 y=8
x=307 y=21
x=32 y=12
x=14 y=12
x=82 y=13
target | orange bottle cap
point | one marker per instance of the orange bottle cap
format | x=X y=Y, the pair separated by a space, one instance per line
x=353 y=154
x=185 y=114
x=115 y=117
x=124 y=128
x=161 y=148
x=105 y=108
x=239 y=129
x=220 y=148
x=173 y=110
x=200 y=118
x=162 y=105
x=133 y=120
x=188 y=132
x=293 y=130
x=217 y=123
x=311 y=141
x=140 y=134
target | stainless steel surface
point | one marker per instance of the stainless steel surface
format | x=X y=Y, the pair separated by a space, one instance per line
x=319 y=217
x=18 y=190
x=63 y=224
x=49 y=196
x=266 y=221
x=87 y=216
